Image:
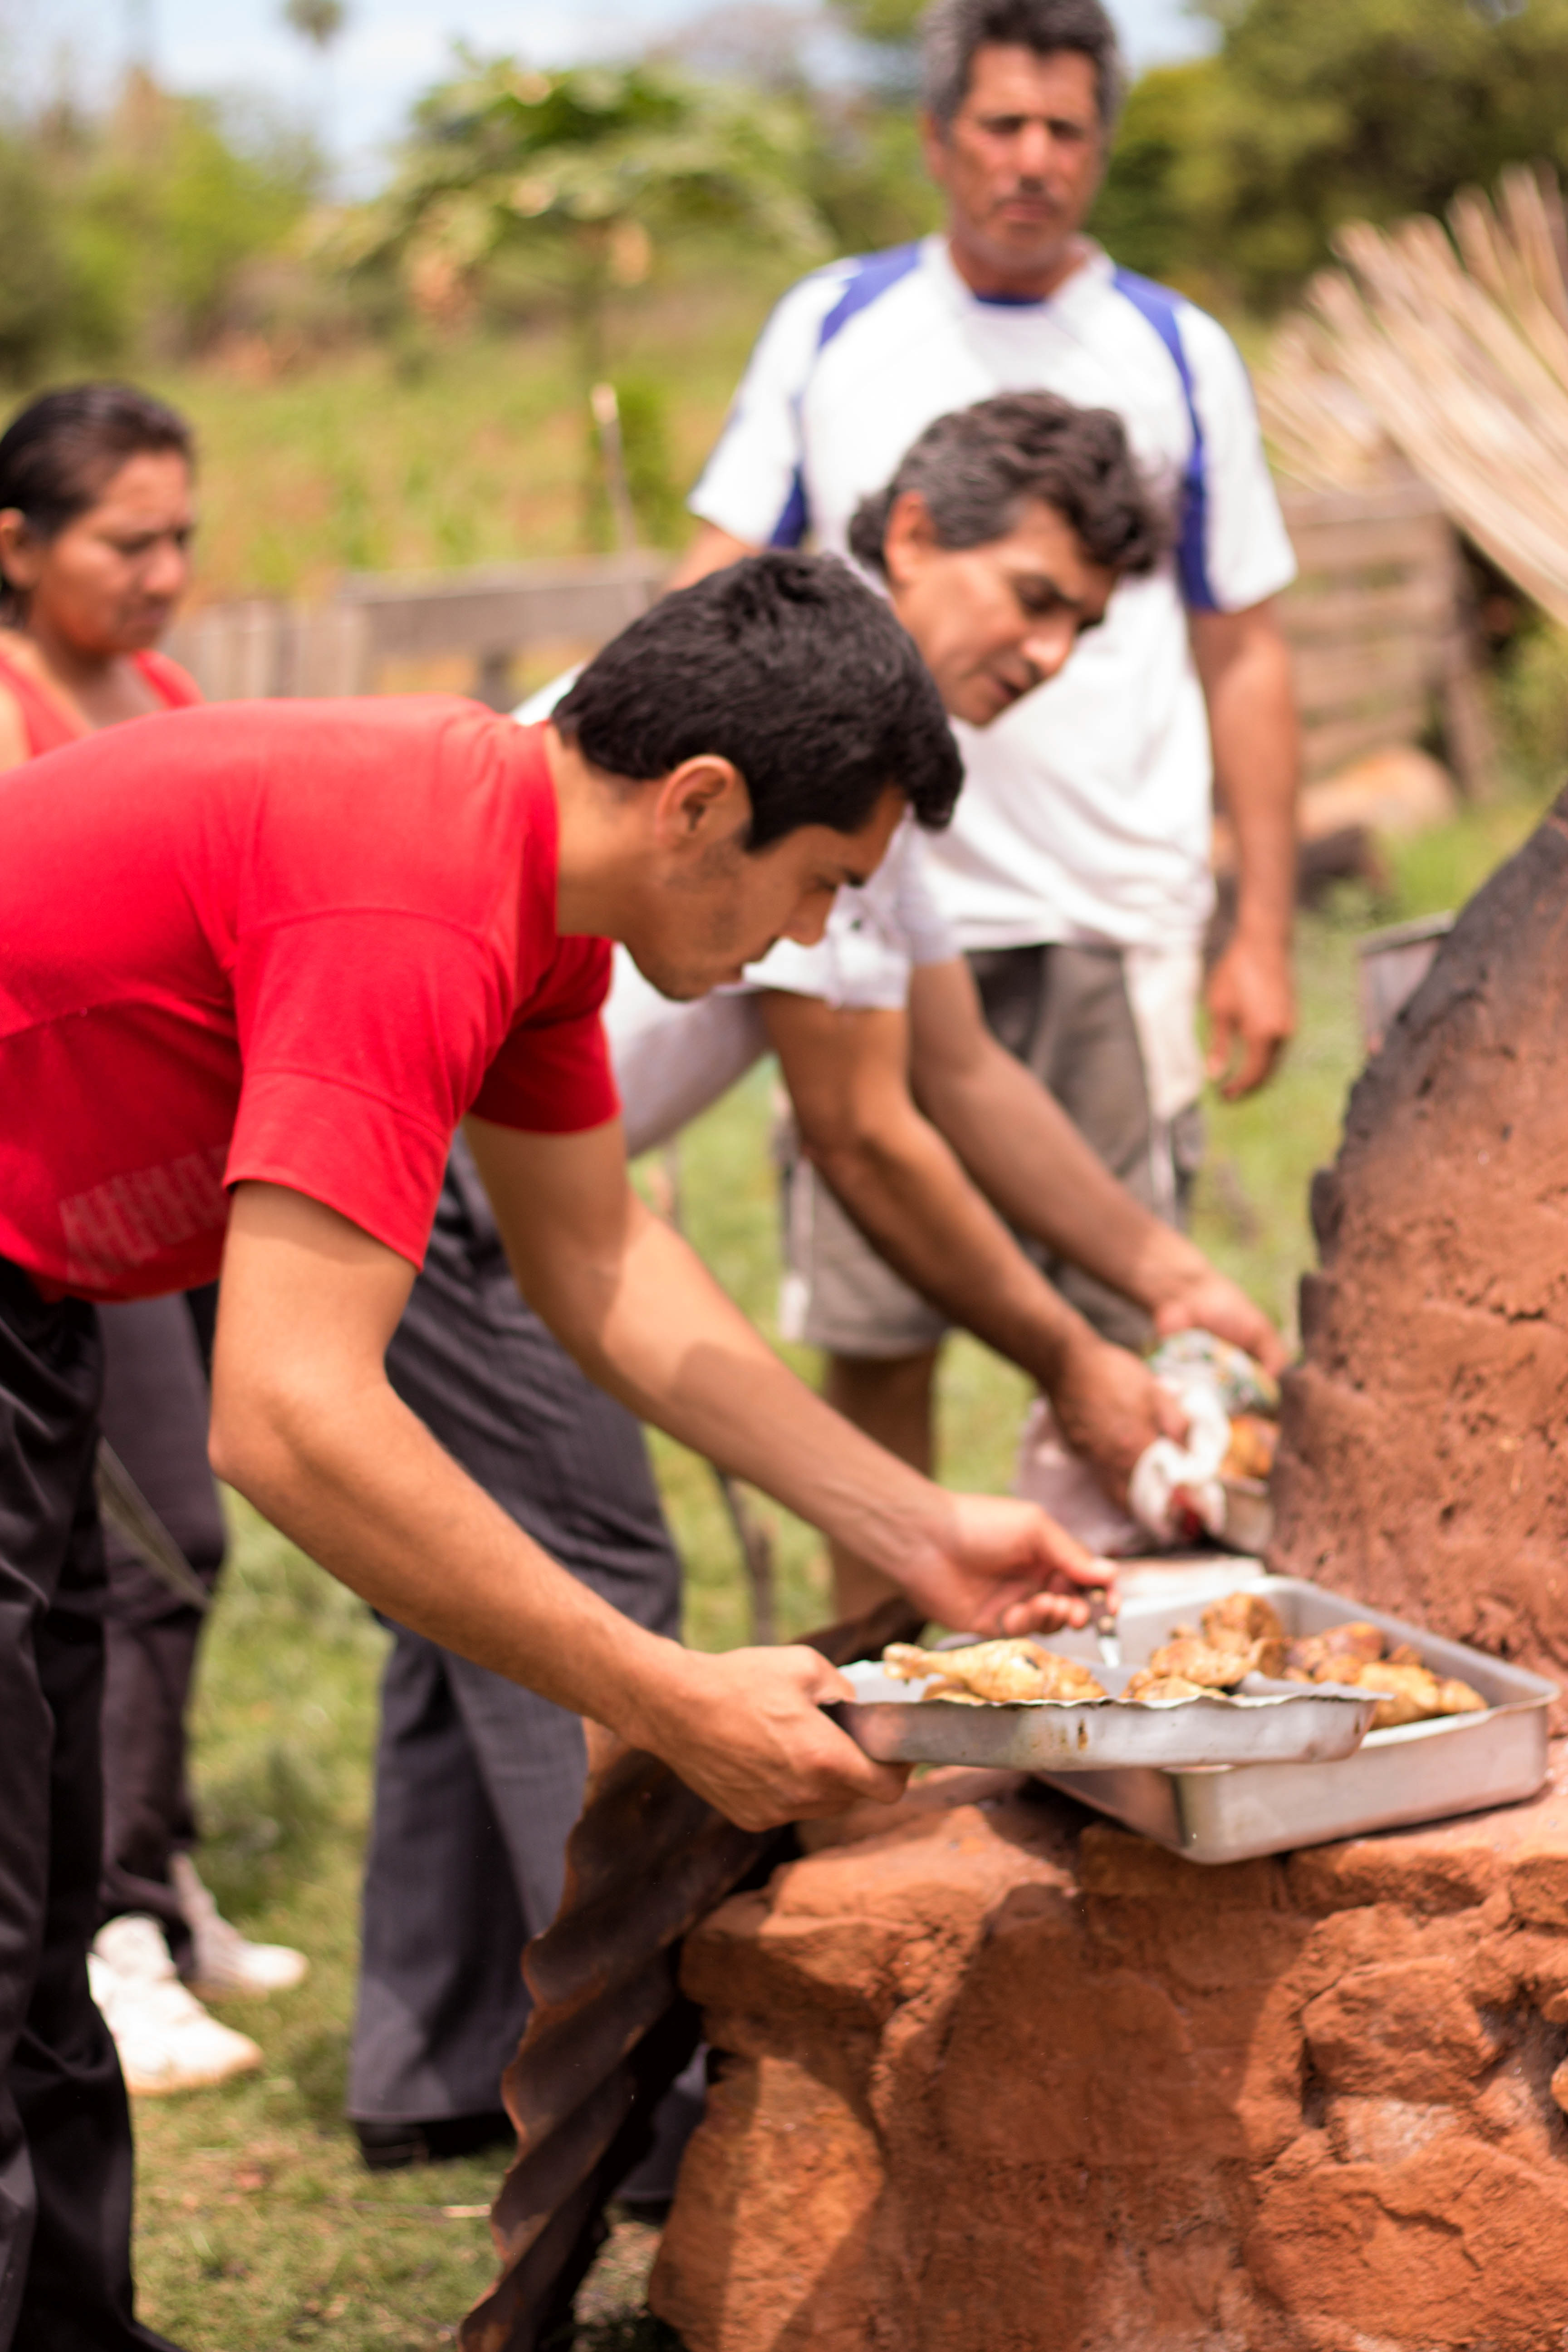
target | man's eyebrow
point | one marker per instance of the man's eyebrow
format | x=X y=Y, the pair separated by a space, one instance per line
x=1044 y=580
x=1013 y=118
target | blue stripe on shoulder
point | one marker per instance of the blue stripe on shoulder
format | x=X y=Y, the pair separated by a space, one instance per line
x=790 y=527
x=868 y=277
x=871 y=276
x=1157 y=304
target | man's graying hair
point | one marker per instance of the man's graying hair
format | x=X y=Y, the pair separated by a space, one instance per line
x=953 y=30
x=978 y=468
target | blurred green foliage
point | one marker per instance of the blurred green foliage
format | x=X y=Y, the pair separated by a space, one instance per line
x=1533 y=700
x=894 y=22
x=1231 y=174
x=131 y=236
x=656 y=500
x=578 y=173
x=566 y=182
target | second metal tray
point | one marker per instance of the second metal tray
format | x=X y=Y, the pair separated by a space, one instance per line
x=1417 y=1772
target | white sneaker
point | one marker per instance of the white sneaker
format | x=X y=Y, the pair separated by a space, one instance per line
x=224 y=1961
x=165 y=2039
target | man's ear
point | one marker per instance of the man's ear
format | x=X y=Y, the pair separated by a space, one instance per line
x=700 y=803
x=909 y=539
x=933 y=146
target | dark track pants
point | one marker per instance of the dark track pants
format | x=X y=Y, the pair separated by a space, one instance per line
x=66 y=2168
x=478 y=1782
x=155 y=1411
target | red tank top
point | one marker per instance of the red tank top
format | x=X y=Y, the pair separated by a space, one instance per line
x=48 y=727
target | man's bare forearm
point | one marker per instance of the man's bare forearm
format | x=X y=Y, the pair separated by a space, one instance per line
x=304 y=1423
x=707 y=1378
x=912 y=1200
x=1025 y=1154
x=359 y=1483
x=1244 y=663
x=646 y=1321
x=845 y=1069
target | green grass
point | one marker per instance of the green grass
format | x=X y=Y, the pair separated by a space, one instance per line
x=471 y=452
x=257 y=2227
x=1250 y=1212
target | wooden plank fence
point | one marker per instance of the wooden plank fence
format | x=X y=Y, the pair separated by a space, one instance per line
x=1380 y=630
x=1377 y=623
x=490 y=618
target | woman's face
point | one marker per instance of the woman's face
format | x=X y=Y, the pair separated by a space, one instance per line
x=109 y=582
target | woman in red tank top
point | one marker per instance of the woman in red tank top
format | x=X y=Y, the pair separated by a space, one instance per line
x=96 y=515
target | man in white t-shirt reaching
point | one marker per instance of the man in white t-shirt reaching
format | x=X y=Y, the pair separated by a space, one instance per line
x=1077 y=872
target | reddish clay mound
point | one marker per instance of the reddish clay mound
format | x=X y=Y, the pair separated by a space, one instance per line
x=995 y=2080
x=1424 y=1459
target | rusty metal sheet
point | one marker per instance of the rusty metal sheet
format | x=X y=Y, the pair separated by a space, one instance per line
x=610 y=2030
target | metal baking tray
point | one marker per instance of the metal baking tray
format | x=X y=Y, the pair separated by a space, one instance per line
x=1417 y=1772
x=1282 y=1721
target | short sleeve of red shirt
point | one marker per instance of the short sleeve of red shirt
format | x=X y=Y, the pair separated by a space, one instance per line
x=366 y=1031
x=555 y=1076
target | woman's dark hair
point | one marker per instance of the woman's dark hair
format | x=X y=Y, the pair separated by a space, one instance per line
x=976 y=468
x=787 y=666
x=953 y=30
x=59 y=455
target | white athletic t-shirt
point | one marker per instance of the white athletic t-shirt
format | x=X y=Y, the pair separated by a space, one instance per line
x=1086 y=812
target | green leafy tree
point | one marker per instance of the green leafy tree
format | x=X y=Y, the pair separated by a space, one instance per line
x=581 y=172
x=124 y=237
x=34 y=290
x=1158 y=193
x=584 y=170
x=1236 y=171
x=894 y=22
x=178 y=199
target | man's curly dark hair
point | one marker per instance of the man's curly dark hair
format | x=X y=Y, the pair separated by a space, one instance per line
x=978 y=469
x=791 y=667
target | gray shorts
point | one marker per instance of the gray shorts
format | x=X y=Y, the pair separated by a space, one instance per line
x=1110 y=1034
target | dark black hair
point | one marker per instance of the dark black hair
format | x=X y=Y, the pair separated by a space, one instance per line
x=59 y=455
x=788 y=665
x=952 y=31
x=976 y=467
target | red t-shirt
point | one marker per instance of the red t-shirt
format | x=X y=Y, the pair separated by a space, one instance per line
x=290 y=941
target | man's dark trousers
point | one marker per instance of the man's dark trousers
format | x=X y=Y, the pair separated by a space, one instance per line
x=155 y=1411
x=66 y=2165
x=477 y=1781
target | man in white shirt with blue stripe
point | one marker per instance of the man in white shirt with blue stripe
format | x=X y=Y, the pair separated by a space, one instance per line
x=1077 y=872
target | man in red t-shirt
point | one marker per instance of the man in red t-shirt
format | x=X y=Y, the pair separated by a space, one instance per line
x=255 y=964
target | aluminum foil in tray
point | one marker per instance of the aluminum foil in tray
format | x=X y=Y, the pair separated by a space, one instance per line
x=1264 y=1722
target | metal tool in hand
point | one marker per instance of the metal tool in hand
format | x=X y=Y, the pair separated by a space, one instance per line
x=1103 y=1619
x=126 y=1510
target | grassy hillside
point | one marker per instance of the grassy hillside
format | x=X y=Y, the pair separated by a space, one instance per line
x=459 y=453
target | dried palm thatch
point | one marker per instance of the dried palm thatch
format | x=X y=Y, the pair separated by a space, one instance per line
x=1445 y=352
